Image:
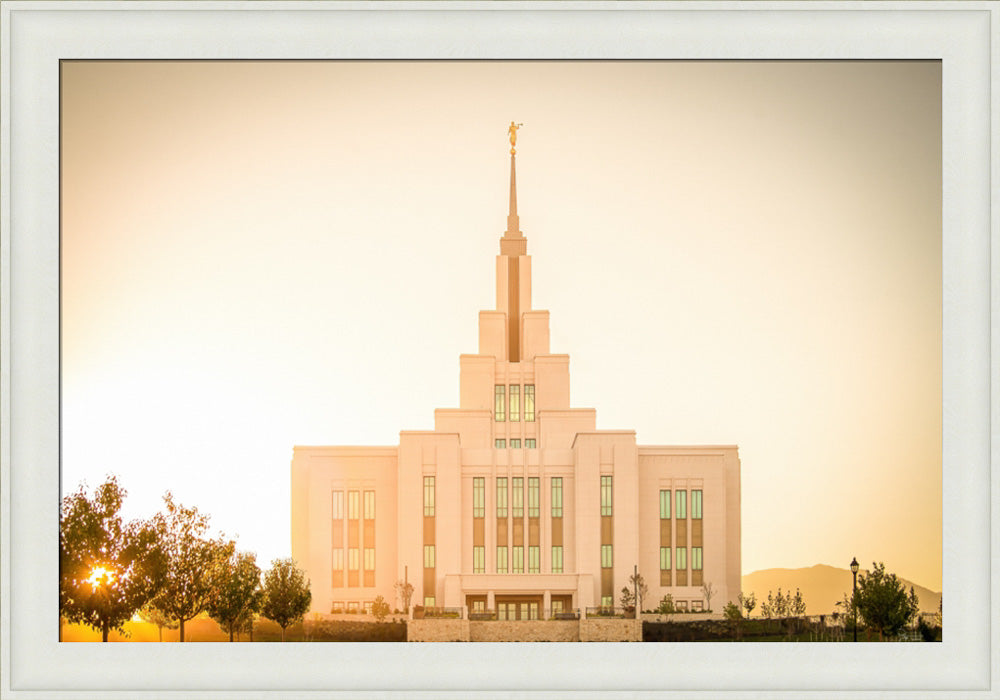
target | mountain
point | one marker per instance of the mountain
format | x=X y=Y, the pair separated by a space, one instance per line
x=822 y=586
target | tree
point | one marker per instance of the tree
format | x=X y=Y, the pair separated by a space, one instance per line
x=155 y=616
x=883 y=603
x=192 y=562
x=732 y=613
x=236 y=591
x=797 y=605
x=708 y=590
x=286 y=594
x=777 y=605
x=639 y=588
x=380 y=608
x=404 y=590
x=666 y=606
x=748 y=603
x=108 y=569
x=627 y=600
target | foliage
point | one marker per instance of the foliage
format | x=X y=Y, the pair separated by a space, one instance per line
x=236 y=592
x=192 y=562
x=797 y=605
x=627 y=600
x=404 y=590
x=732 y=611
x=154 y=616
x=380 y=608
x=666 y=606
x=883 y=602
x=286 y=594
x=708 y=590
x=748 y=603
x=108 y=569
x=780 y=604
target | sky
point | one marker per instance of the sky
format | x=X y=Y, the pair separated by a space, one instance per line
x=261 y=255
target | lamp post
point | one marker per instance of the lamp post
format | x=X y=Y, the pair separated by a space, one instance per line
x=854 y=601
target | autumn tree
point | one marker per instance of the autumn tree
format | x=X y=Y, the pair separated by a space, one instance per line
x=883 y=603
x=108 y=568
x=404 y=589
x=236 y=592
x=380 y=608
x=286 y=594
x=708 y=590
x=154 y=616
x=192 y=562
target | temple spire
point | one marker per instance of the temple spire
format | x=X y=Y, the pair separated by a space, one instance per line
x=513 y=242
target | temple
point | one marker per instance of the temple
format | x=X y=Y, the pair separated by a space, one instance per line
x=515 y=506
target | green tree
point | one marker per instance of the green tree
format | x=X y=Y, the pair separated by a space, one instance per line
x=192 y=562
x=748 y=603
x=286 y=594
x=154 y=616
x=108 y=568
x=883 y=603
x=733 y=614
x=380 y=608
x=236 y=592
x=666 y=606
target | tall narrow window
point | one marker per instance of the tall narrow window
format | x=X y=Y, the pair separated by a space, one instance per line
x=696 y=558
x=682 y=505
x=607 y=556
x=529 y=402
x=369 y=505
x=532 y=496
x=518 y=559
x=337 y=508
x=428 y=556
x=478 y=560
x=352 y=558
x=682 y=559
x=534 y=559
x=696 y=504
x=502 y=560
x=478 y=497
x=428 y=496
x=557 y=508
x=606 y=495
x=515 y=403
x=557 y=559
x=370 y=558
x=607 y=601
x=517 y=497
x=664 y=558
x=664 y=504
x=352 y=505
x=499 y=411
x=501 y=497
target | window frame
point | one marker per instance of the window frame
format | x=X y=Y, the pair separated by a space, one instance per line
x=479 y=559
x=500 y=403
x=680 y=559
x=429 y=485
x=529 y=403
x=502 y=497
x=557 y=559
x=697 y=558
x=429 y=555
x=514 y=403
x=607 y=556
x=505 y=567
x=681 y=504
x=369 y=504
x=696 y=504
x=534 y=559
x=478 y=497
x=353 y=504
x=517 y=557
x=534 y=496
x=665 y=496
x=556 y=489
x=665 y=559
x=517 y=497
x=607 y=495
x=337 y=505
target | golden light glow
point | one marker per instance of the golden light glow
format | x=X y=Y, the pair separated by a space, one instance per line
x=99 y=575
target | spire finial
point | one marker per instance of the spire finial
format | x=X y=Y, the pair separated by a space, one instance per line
x=512 y=132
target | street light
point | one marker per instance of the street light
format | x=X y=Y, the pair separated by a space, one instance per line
x=854 y=598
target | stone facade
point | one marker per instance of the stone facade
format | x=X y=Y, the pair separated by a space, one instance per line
x=525 y=631
x=445 y=630
x=595 y=629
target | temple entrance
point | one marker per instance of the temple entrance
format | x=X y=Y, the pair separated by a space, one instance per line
x=519 y=607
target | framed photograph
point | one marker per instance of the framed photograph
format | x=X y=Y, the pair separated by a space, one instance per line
x=294 y=263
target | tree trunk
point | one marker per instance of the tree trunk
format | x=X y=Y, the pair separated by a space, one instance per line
x=230 y=631
x=159 y=629
x=282 y=634
x=182 y=630
x=251 y=628
x=104 y=632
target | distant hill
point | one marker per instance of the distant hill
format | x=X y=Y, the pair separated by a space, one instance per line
x=822 y=586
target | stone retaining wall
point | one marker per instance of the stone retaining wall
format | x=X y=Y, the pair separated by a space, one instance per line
x=610 y=630
x=437 y=630
x=525 y=631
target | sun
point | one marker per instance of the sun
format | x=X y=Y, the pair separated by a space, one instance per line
x=98 y=573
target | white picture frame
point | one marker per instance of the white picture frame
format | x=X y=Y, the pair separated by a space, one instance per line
x=36 y=35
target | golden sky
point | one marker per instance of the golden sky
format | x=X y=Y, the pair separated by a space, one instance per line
x=258 y=255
